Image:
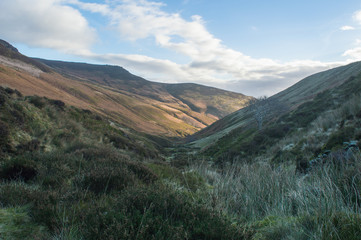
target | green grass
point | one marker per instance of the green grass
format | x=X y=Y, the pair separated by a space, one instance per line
x=66 y=173
x=16 y=224
x=278 y=203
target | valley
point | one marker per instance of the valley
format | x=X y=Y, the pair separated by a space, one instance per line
x=94 y=152
x=171 y=110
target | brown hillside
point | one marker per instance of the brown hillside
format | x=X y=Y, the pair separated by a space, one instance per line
x=159 y=109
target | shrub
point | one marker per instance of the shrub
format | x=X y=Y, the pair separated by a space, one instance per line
x=104 y=179
x=338 y=138
x=9 y=90
x=4 y=133
x=42 y=203
x=16 y=224
x=153 y=212
x=2 y=99
x=118 y=141
x=105 y=175
x=18 y=116
x=37 y=101
x=142 y=172
x=190 y=180
x=31 y=146
x=19 y=168
x=58 y=103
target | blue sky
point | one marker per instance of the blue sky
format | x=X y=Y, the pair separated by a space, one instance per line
x=256 y=47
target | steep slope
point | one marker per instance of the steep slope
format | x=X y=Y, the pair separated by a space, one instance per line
x=154 y=108
x=291 y=110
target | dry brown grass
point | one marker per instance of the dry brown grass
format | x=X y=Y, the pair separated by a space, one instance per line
x=169 y=117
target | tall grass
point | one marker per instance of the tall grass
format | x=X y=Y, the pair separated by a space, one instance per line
x=279 y=203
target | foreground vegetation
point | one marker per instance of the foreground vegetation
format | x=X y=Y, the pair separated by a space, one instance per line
x=67 y=173
x=276 y=203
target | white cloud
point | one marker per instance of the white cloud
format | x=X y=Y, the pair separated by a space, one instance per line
x=211 y=62
x=357 y=16
x=45 y=23
x=58 y=24
x=347 y=28
x=353 y=54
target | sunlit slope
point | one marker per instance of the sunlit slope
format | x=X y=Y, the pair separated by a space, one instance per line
x=153 y=108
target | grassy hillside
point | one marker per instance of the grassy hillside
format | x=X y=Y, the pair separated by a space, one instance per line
x=190 y=104
x=74 y=169
x=291 y=109
x=297 y=177
x=111 y=91
x=68 y=173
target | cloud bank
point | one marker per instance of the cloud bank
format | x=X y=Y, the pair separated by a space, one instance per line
x=45 y=23
x=59 y=24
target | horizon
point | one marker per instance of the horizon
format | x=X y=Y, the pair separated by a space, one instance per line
x=258 y=48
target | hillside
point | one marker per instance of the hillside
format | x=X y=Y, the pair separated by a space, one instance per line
x=289 y=166
x=307 y=99
x=171 y=110
x=69 y=173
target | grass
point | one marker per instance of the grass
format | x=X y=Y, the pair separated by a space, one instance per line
x=277 y=203
x=16 y=224
x=67 y=173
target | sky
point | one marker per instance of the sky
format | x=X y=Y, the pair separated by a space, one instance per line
x=254 y=47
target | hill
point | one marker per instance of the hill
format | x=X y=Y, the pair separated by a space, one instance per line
x=291 y=112
x=289 y=167
x=171 y=110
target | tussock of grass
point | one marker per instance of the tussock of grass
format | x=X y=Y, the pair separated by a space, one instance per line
x=276 y=203
x=16 y=224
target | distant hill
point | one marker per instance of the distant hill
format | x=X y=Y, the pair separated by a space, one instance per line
x=293 y=115
x=172 y=110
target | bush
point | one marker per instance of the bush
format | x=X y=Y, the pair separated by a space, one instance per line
x=5 y=134
x=107 y=175
x=58 y=103
x=153 y=212
x=31 y=146
x=190 y=180
x=19 y=168
x=42 y=203
x=9 y=90
x=37 y=101
x=2 y=99
x=16 y=224
x=104 y=179
x=337 y=139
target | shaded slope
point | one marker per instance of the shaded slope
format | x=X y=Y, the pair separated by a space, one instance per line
x=302 y=103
